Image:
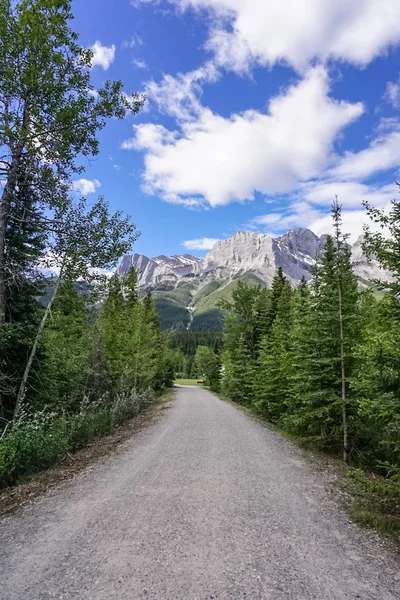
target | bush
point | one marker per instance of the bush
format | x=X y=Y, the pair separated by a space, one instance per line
x=128 y=405
x=85 y=427
x=38 y=442
x=31 y=448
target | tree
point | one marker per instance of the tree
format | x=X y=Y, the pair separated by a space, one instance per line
x=49 y=114
x=342 y=271
x=25 y=244
x=326 y=330
x=66 y=348
x=208 y=366
x=129 y=284
x=386 y=248
x=239 y=373
x=85 y=241
x=272 y=380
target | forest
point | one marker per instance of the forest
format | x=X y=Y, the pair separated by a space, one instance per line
x=321 y=361
x=79 y=352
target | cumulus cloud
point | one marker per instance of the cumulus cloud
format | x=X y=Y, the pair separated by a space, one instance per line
x=103 y=56
x=179 y=96
x=353 y=224
x=85 y=186
x=266 y=32
x=351 y=194
x=381 y=155
x=200 y=244
x=219 y=160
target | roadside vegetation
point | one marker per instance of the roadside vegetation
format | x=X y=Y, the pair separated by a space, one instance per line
x=79 y=353
x=322 y=363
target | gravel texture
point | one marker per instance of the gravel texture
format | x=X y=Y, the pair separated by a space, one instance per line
x=205 y=504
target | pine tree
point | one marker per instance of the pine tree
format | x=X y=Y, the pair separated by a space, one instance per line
x=272 y=381
x=239 y=373
x=66 y=349
x=321 y=347
x=25 y=244
x=129 y=284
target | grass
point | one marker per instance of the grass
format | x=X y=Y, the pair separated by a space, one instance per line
x=374 y=502
x=188 y=382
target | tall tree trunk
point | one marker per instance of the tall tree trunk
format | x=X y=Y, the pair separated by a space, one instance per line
x=6 y=199
x=25 y=377
x=5 y=203
x=343 y=378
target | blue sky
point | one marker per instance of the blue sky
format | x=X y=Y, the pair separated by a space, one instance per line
x=258 y=113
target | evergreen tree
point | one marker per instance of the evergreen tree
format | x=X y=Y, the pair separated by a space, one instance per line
x=66 y=349
x=321 y=347
x=208 y=366
x=25 y=243
x=272 y=381
x=130 y=287
x=239 y=375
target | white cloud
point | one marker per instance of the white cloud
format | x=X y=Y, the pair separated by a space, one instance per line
x=381 y=155
x=351 y=194
x=85 y=186
x=296 y=214
x=93 y=93
x=201 y=244
x=179 y=96
x=140 y=64
x=219 y=160
x=103 y=56
x=270 y=31
x=392 y=94
x=353 y=224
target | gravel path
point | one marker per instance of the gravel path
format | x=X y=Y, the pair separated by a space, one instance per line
x=205 y=504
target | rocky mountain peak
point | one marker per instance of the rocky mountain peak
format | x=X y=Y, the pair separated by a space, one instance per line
x=244 y=252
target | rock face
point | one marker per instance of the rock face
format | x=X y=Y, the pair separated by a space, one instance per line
x=244 y=252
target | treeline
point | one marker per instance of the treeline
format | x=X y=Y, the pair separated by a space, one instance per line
x=322 y=360
x=184 y=350
x=78 y=353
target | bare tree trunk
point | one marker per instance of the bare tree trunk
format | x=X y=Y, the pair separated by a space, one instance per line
x=343 y=378
x=22 y=388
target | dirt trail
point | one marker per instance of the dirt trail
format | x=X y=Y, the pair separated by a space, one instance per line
x=205 y=504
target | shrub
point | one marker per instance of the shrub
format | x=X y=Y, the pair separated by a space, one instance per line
x=29 y=448
x=83 y=428
x=38 y=442
x=127 y=405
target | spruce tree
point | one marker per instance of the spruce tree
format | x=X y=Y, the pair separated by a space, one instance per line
x=272 y=381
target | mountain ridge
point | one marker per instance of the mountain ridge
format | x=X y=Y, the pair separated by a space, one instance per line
x=186 y=287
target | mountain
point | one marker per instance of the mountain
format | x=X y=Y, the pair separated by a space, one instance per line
x=187 y=289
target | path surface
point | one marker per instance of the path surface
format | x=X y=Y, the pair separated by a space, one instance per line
x=205 y=504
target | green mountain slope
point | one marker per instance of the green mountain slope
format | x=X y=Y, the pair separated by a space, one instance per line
x=196 y=308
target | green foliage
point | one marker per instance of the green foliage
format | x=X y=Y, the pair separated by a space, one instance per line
x=39 y=441
x=66 y=347
x=375 y=501
x=274 y=362
x=136 y=351
x=208 y=366
x=31 y=448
